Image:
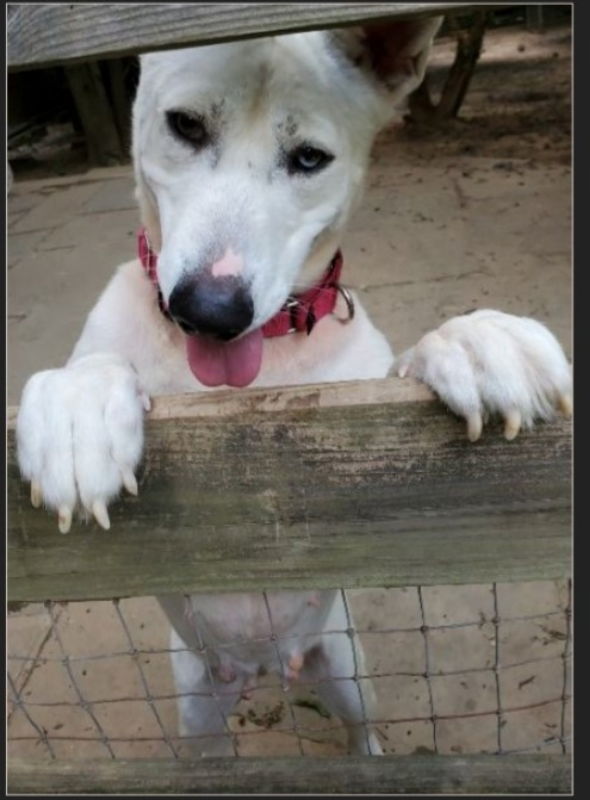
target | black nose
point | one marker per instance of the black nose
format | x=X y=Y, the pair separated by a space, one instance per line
x=221 y=307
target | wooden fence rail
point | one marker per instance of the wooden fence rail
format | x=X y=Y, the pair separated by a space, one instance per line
x=523 y=774
x=367 y=483
x=43 y=34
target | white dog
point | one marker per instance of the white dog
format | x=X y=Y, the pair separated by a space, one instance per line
x=249 y=158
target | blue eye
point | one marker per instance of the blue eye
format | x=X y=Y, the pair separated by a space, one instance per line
x=307 y=159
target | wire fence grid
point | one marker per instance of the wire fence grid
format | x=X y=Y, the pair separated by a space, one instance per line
x=498 y=683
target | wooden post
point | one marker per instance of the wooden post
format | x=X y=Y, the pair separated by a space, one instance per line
x=534 y=18
x=469 y=44
x=121 y=102
x=468 y=50
x=95 y=112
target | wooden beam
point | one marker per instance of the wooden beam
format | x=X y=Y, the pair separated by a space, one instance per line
x=423 y=774
x=367 y=483
x=45 y=35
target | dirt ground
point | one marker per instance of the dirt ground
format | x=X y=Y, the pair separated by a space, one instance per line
x=477 y=212
x=518 y=105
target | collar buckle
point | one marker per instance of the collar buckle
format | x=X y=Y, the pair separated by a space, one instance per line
x=348 y=299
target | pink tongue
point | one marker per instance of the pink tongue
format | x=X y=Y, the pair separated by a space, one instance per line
x=234 y=363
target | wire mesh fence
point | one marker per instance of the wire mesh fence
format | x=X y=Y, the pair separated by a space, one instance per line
x=464 y=669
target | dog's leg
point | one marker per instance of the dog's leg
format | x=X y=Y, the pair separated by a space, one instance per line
x=80 y=435
x=206 y=697
x=80 y=427
x=204 y=702
x=335 y=665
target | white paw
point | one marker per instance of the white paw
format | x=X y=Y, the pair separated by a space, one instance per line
x=80 y=436
x=490 y=363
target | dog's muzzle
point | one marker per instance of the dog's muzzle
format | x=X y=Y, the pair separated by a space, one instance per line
x=220 y=307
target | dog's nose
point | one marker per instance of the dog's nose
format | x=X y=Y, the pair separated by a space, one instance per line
x=221 y=306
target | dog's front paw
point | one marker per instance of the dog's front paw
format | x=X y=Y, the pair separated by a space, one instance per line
x=487 y=363
x=80 y=436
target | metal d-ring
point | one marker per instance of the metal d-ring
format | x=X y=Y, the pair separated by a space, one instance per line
x=349 y=304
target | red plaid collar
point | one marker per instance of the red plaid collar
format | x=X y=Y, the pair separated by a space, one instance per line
x=299 y=314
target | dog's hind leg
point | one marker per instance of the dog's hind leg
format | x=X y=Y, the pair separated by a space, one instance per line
x=335 y=665
x=204 y=703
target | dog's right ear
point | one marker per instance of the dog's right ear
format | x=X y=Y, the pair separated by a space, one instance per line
x=393 y=52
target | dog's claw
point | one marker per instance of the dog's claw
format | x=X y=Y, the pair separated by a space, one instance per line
x=566 y=405
x=474 y=426
x=129 y=481
x=145 y=401
x=36 y=495
x=512 y=424
x=64 y=519
x=101 y=514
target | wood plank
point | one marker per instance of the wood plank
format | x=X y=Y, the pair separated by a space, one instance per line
x=486 y=774
x=44 y=35
x=367 y=483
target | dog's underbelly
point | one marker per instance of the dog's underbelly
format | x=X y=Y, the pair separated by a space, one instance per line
x=246 y=621
x=248 y=632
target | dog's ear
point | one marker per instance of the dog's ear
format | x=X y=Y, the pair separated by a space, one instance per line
x=395 y=52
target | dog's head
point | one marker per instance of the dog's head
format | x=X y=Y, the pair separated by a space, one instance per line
x=249 y=158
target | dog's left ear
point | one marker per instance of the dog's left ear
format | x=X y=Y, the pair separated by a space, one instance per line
x=394 y=52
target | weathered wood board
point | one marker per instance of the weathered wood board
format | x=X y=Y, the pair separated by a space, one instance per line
x=44 y=34
x=477 y=775
x=367 y=483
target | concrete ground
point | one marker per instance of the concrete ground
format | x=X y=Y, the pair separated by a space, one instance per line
x=429 y=242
